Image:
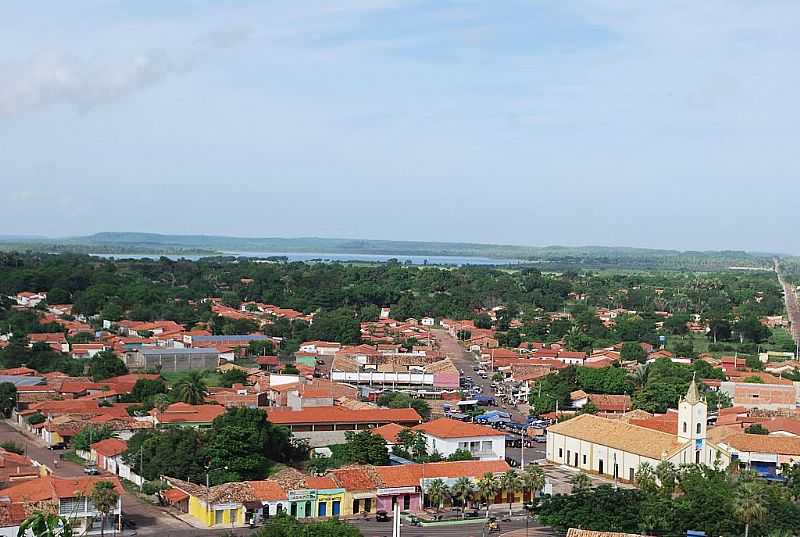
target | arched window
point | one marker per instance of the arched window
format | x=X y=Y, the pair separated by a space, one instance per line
x=698 y=428
x=685 y=427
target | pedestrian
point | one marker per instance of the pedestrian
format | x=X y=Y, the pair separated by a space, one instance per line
x=55 y=463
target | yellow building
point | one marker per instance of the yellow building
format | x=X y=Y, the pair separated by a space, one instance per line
x=218 y=506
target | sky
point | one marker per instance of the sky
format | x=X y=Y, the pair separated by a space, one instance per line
x=589 y=122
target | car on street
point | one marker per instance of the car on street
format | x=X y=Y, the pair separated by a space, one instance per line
x=91 y=470
x=381 y=516
x=540 y=438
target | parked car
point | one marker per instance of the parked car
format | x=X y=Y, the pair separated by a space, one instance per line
x=381 y=516
x=540 y=438
x=91 y=469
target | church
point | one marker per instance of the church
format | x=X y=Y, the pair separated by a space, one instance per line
x=615 y=448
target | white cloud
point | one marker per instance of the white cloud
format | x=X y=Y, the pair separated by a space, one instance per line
x=49 y=78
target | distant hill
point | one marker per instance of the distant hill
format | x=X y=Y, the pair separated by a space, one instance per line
x=556 y=257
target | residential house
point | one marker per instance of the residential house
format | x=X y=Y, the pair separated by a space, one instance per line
x=446 y=436
x=30 y=299
x=323 y=426
x=186 y=415
x=67 y=497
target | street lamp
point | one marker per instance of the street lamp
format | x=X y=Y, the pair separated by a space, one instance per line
x=208 y=491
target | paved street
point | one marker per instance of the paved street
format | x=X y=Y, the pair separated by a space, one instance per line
x=149 y=519
x=792 y=307
x=465 y=361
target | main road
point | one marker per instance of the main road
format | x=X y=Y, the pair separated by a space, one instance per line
x=792 y=307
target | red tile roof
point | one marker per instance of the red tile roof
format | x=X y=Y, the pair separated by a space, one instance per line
x=449 y=428
x=760 y=443
x=611 y=403
x=185 y=413
x=54 y=488
x=337 y=414
x=389 y=432
x=173 y=496
x=110 y=447
x=408 y=475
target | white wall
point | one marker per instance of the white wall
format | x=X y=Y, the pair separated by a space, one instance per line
x=447 y=446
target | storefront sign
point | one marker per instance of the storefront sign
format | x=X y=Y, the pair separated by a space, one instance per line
x=302 y=495
x=396 y=490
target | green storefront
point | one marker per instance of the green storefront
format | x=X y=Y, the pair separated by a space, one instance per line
x=302 y=503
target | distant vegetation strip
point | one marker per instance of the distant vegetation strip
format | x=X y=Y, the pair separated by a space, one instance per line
x=546 y=258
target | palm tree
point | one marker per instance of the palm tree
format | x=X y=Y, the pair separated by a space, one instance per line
x=749 y=503
x=437 y=492
x=191 y=389
x=42 y=524
x=463 y=489
x=105 y=498
x=640 y=375
x=510 y=483
x=533 y=479
x=667 y=476
x=581 y=482
x=646 y=477
x=487 y=489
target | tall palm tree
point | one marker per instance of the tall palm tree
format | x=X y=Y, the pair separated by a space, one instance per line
x=191 y=389
x=749 y=503
x=640 y=375
x=42 y=524
x=462 y=490
x=105 y=498
x=510 y=483
x=437 y=492
x=533 y=479
x=487 y=489
x=667 y=476
x=646 y=477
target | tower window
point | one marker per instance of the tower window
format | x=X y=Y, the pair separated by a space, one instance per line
x=698 y=428
x=685 y=427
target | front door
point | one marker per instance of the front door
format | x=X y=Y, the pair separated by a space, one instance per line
x=337 y=507
x=323 y=506
x=600 y=467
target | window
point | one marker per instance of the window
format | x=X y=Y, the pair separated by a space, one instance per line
x=322 y=508
x=584 y=459
x=218 y=516
x=560 y=452
x=406 y=502
x=685 y=427
x=699 y=426
x=486 y=445
x=632 y=475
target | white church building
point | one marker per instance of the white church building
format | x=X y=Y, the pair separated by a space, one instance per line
x=614 y=448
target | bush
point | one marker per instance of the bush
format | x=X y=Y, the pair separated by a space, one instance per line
x=36 y=418
x=13 y=447
x=153 y=487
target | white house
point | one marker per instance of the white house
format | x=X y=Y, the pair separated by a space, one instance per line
x=428 y=321
x=616 y=448
x=30 y=299
x=445 y=436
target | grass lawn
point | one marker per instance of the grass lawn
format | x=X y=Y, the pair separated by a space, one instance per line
x=780 y=341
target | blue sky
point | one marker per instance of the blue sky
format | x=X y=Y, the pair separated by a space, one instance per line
x=654 y=124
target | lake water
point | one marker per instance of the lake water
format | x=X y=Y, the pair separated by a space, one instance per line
x=366 y=258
